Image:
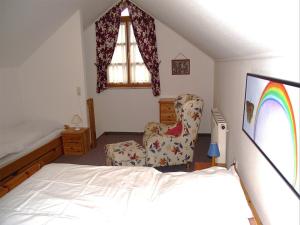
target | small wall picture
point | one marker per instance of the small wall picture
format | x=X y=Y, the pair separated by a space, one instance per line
x=180 y=67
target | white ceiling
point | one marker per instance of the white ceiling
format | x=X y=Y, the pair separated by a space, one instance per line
x=222 y=29
x=26 y=24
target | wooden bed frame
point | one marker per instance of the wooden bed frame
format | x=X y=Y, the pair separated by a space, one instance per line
x=255 y=220
x=16 y=172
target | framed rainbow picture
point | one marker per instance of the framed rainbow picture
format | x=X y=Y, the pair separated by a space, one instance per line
x=271 y=121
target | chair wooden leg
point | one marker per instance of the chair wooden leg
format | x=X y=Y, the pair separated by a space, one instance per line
x=189 y=165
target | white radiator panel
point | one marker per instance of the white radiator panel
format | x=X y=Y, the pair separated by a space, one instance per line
x=218 y=133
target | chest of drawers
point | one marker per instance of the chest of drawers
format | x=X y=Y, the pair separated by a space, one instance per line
x=76 y=142
x=167 y=111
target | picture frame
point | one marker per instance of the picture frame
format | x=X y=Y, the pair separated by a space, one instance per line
x=180 y=67
x=270 y=121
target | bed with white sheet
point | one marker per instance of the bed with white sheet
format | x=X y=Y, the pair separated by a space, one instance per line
x=77 y=194
x=22 y=140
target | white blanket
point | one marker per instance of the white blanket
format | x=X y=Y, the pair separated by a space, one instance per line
x=16 y=138
x=76 y=194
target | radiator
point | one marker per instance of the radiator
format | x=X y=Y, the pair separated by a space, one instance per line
x=218 y=133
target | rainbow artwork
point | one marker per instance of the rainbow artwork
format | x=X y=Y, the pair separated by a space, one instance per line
x=271 y=120
x=277 y=93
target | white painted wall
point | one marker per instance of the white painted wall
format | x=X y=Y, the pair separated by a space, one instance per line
x=50 y=76
x=273 y=199
x=130 y=109
x=10 y=97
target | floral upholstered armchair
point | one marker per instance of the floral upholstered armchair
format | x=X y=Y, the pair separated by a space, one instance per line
x=174 y=144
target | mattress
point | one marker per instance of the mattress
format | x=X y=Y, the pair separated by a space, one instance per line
x=25 y=137
x=79 y=194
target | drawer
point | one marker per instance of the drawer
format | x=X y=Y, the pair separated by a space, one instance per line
x=73 y=148
x=168 y=122
x=15 y=181
x=167 y=107
x=72 y=138
x=167 y=117
x=50 y=156
x=72 y=144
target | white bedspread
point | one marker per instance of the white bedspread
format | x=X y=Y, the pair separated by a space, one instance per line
x=76 y=194
x=22 y=135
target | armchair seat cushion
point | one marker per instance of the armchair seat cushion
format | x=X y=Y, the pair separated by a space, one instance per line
x=127 y=153
x=155 y=128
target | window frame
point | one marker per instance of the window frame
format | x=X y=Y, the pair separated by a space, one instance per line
x=129 y=84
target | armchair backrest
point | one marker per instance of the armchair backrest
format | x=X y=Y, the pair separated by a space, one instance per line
x=180 y=101
x=188 y=109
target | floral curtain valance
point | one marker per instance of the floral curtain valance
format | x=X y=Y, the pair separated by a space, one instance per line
x=107 y=28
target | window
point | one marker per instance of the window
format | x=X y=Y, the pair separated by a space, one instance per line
x=127 y=68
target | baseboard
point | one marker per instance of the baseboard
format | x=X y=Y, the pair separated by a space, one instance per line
x=140 y=133
x=120 y=133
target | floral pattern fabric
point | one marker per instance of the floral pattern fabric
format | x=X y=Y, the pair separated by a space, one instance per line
x=179 y=102
x=144 y=32
x=166 y=150
x=155 y=128
x=107 y=28
x=127 y=153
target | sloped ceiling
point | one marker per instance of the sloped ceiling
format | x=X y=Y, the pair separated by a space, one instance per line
x=231 y=28
x=26 y=24
x=222 y=29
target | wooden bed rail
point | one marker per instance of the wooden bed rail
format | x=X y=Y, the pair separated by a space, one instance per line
x=46 y=153
x=18 y=179
x=256 y=220
x=16 y=172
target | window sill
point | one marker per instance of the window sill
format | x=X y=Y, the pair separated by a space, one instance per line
x=129 y=86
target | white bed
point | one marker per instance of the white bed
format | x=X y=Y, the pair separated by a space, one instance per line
x=24 y=137
x=77 y=194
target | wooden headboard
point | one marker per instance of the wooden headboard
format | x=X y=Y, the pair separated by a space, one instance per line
x=92 y=125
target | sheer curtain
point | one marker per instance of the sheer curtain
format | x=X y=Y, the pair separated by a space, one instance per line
x=139 y=72
x=117 y=70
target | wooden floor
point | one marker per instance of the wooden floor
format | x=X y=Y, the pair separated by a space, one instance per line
x=96 y=156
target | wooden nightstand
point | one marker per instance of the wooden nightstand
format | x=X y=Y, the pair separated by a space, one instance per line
x=167 y=113
x=76 y=142
x=201 y=165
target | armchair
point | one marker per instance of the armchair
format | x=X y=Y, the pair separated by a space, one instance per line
x=163 y=148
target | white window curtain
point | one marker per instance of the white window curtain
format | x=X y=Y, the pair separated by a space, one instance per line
x=117 y=70
x=139 y=72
